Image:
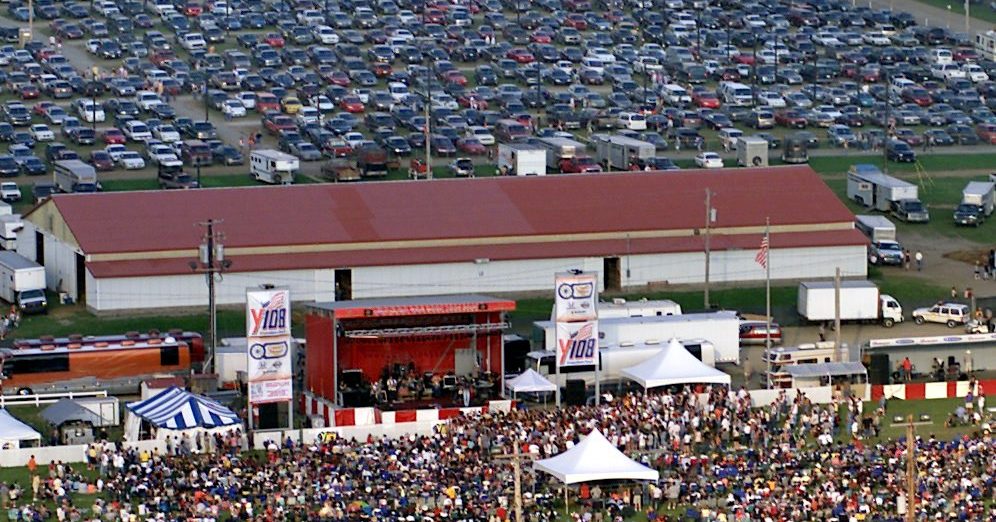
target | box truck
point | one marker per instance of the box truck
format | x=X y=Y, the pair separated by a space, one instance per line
x=859 y=301
x=75 y=176
x=519 y=159
x=10 y=225
x=722 y=329
x=621 y=152
x=559 y=149
x=870 y=187
x=22 y=283
x=273 y=166
x=614 y=359
x=981 y=193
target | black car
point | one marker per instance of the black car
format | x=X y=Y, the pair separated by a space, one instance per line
x=227 y=155
x=42 y=190
x=900 y=151
x=33 y=166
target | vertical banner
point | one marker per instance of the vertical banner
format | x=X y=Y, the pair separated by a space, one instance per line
x=577 y=297
x=268 y=339
x=577 y=343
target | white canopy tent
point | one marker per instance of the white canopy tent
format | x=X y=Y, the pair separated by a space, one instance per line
x=530 y=381
x=13 y=432
x=674 y=365
x=594 y=458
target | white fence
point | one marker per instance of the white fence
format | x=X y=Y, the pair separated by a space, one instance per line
x=816 y=395
x=46 y=398
x=309 y=436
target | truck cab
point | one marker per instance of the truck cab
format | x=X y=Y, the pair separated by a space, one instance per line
x=910 y=210
x=969 y=215
x=32 y=301
x=579 y=164
x=172 y=176
x=885 y=253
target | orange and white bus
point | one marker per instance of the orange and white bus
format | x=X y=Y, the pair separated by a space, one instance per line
x=193 y=339
x=117 y=367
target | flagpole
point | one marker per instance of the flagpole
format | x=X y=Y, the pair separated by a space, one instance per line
x=767 y=296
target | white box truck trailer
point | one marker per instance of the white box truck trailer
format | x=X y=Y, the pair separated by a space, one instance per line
x=981 y=193
x=722 y=329
x=10 y=225
x=619 y=152
x=870 y=187
x=22 y=283
x=859 y=301
x=273 y=166
x=875 y=228
x=519 y=159
x=619 y=307
x=559 y=149
x=75 y=176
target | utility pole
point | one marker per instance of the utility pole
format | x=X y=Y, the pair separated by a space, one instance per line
x=710 y=216
x=517 y=471
x=888 y=121
x=968 y=26
x=910 y=472
x=836 y=312
x=428 y=134
x=211 y=262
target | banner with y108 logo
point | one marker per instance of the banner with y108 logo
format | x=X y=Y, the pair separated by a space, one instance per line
x=577 y=343
x=269 y=345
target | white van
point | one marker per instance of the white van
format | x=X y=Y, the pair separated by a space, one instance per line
x=593 y=64
x=273 y=166
x=736 y=94
x=676 y=95
x=399 y=91
x=941 y=56
x=632 y=121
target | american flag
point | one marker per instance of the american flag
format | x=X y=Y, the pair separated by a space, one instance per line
x=762 y=253
x=584 y=332
x=277 y=301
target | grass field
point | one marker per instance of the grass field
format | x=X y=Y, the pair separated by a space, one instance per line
x=939 y=162
x=980 y=11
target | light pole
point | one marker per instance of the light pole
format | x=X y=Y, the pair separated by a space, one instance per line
x=93 y=98
x=211 y=262
x=206 y=116
x=753 y=75
x=428 y=115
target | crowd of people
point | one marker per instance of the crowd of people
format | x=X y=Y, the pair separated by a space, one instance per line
x=719 y=459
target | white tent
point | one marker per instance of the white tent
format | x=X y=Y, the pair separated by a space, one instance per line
x=594 y=458
x=13 y=431
x=674 y=365
x=530 y=381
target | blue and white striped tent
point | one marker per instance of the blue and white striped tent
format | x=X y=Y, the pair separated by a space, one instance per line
x=178 y=409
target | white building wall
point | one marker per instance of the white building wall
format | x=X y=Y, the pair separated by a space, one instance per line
x=60 y=259
x=466 y=277
x=125 y=293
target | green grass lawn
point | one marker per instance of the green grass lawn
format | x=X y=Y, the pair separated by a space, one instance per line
x=980 y=11
x=64 y=320
x=939 y=162
x=937 y=409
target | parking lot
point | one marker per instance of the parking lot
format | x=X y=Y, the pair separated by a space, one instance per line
x=122 y=85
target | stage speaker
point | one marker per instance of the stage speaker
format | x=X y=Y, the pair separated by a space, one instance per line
x=270 y=416
x=352 y=378
x=878 y=368
x=574 y=395
x=356 y=399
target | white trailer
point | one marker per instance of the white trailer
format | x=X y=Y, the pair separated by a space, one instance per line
x=520 y=159
x=558 y=148
x=22 y=282
x=75 y=176
x=614 y=359
x=619 y=307
x=722 y=329
x=10 y=225
x=981 y=193
x=619 y=152
x=875 y=228
x=273 y=166
x=870 y=187
x=859 y=301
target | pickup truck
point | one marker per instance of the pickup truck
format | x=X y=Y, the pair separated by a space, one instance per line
x=579 y=164
x=341 y=169
x=910 y=210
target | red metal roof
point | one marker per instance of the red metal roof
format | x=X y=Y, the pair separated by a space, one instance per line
x=407 y=306
x=402 y=256
x=446 y=209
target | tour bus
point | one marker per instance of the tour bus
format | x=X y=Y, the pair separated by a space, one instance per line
x=119 y=367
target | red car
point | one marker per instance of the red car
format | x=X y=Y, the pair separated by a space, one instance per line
x=520 y=55
x=986 y=132
x=192 y=9
x=470 y=146
x=163 y=56
x=29 y=92
x=337 y=148
x=917 y=95
x=352 y=104
x=113 y=136
x=382 y=70
x=964 y=54
x=41 y=108
x=577 y=21
x=339 y=78
x=746 y=59
x=455 y=77
x=101 y=160
x=275 y=123
x=705 y=100
x=274 y=40
x=541 y=36
x=267 y=102
x=434 y=16
x=791 y=118
x=479 y=103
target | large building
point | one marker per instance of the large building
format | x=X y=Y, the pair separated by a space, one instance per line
x=128 y=251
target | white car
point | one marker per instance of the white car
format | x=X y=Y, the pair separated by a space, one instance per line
x=771 y=99
x=951 y=314
x=167 y=134
x=115 y=151
x=876 y=39
x=975 y=73
x=137 y=131
x=41 y=132
x=9 y=191
x=632 y=121
x=89 y=111
x=233 y=109
x=482 y=134
x=160 y=152
x=354 y=139
x=322 y=103
x=325 y=34
x=708 y=160
x=147 y=99
x=307 y=115
x=131 y=160
x=191 y=41
x=247 y=98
